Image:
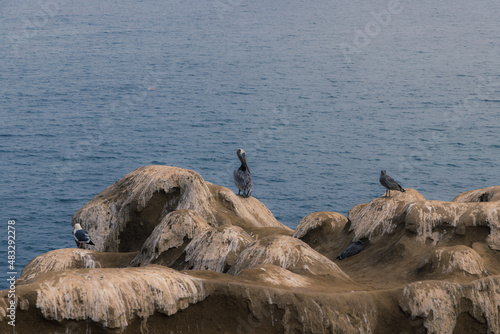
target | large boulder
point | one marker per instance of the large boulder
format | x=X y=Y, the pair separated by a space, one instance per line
x=71 y=258
x=170 y=237
x=289 y=253
x=447 y=307
x=381 y=215
x=447 y=261
x=110 y=298
x=124 y=215
x=490 y=194
x=216 y=249
x=442 y=221
x=314 y=227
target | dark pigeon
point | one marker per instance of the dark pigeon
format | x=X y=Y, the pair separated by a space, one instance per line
x=353 y=249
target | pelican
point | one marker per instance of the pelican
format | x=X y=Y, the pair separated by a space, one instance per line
x=81 y=236
x=389 y=183
x=242 y=176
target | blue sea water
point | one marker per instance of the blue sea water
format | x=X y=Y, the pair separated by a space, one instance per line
x=322 y=95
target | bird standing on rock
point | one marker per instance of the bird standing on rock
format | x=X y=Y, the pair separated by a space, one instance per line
x=81 y=236
x=389 y=183
x=353 y=249
x=242 y=176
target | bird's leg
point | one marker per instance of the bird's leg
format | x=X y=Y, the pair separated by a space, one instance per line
x=239 y=191
x=389 y=192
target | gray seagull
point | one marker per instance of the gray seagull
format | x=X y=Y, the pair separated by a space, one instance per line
x=353 y=249
x=82 y=237
x=242 y=176
x=389 y=183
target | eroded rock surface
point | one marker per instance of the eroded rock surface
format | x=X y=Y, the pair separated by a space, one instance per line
x=122 y=217
x=443 y=304
x=289 y=253
x=176 y=254
x=437 y=220
x=72 y=258
x=443 y=261
x=216 y=249
x=490 y=194
x=318 y=224
x=173 y=232
x=381 y=215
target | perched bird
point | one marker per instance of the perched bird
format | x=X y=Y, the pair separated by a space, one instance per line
x=389 y=183
x=82 y=237
x=242 y=176
x=353 y=249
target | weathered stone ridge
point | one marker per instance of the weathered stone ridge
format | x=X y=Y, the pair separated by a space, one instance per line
x=123 y=216
x=177 y=254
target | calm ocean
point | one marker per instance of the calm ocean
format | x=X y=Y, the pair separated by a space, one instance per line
x=322 y=95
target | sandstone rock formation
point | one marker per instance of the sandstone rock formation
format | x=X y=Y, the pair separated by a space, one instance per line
x=216 y=249
x=382 y=214
x=490 y=194
x=110 y=298
x=437 y=220
x=176 y=254
x=72 y=258
x=289 y=253
x=447 y=307
x=444 y=261
x=318 y=225
x=171 y=235
x=122 y=217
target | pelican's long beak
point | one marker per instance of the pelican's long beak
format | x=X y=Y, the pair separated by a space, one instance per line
x=246 y=164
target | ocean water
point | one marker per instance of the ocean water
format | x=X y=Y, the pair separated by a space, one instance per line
x=322 y=95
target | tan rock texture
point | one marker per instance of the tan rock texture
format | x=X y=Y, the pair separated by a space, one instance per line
x=381 y=215
x=176 y=254
x=445 y=261
x=490 y=194
x=322 y=222
x=122 y=217
x=289 y=253
x=72 y=258
x=216 y=249
x=437 y=220
x=169 y=237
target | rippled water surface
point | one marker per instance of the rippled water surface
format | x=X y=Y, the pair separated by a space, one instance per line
x=321 y=94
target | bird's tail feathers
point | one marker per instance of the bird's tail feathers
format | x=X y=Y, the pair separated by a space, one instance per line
x=91 y=243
